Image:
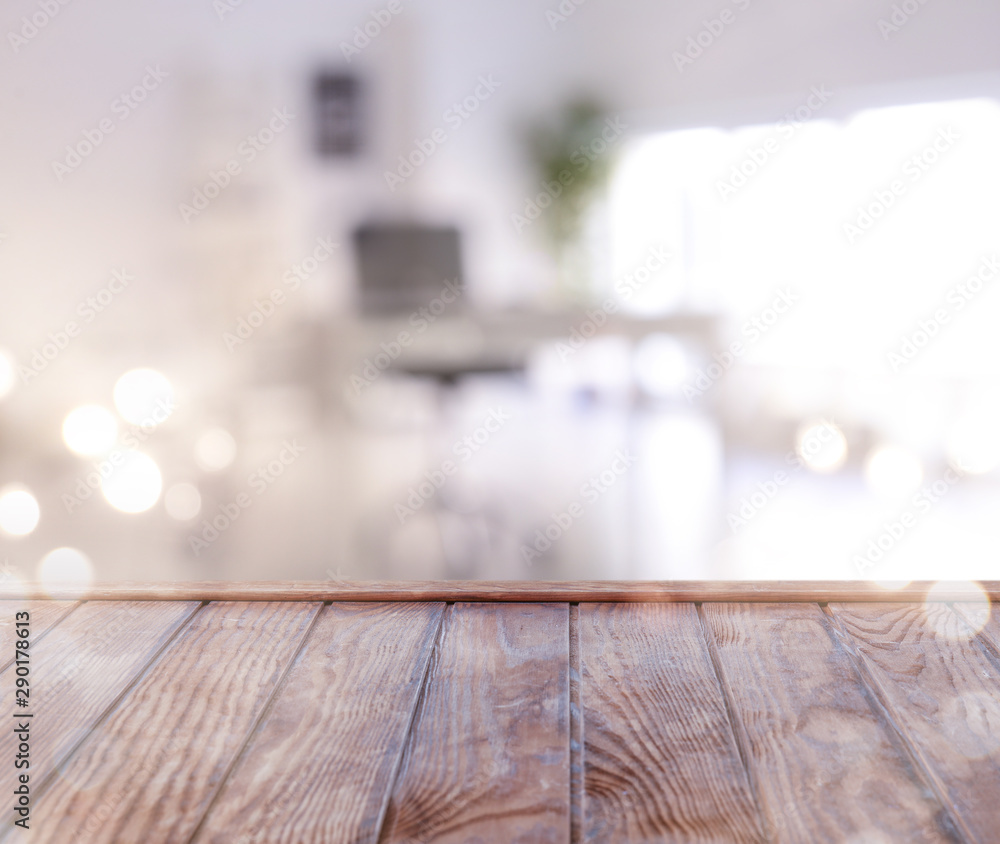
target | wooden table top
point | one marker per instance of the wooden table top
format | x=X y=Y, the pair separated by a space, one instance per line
x=531 y=713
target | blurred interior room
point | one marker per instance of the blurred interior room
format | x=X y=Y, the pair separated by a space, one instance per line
x=548 y=290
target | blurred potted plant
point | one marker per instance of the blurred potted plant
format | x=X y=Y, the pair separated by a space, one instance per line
x=572 y=157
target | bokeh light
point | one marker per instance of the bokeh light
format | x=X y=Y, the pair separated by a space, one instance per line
x=144 y=397
x=182 y=501
x=822 y=446
x=893 y=471
x=961 y=624
x=892 y=585
x=215 y=450
x=90 y=430
x=134 y=486
x=65 y=567
x=19 y=511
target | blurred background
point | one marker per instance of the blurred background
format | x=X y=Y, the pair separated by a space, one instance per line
x=442 y=289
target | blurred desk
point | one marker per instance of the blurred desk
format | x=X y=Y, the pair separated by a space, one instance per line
x=497 y=341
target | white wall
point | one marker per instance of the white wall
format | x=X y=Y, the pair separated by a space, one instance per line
x=121 y=205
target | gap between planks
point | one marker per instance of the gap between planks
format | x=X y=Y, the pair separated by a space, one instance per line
x=735 y=724
x=116 y=701
x=264 y=711
x=880 y=703
x=404 y=745
x=576 y=747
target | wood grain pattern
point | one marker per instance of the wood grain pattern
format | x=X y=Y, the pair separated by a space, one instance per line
x=945 y=692
x=257 y=722
x=80 y=669
x=149 y=772
x=44 y=615
x=488 y=758
x=984 y=618
x=520 y=591
x=825 y=765
x=660 y=759
x=320 y=767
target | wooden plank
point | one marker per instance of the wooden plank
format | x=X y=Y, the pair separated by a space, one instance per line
x=985 y=619
x=944 y=692
x=826 y=766
x=320 y=766
x=488 y=758
x=148 y=774
x=602 y=591
x=661 y=761
x=81 y=668
x=43 y=615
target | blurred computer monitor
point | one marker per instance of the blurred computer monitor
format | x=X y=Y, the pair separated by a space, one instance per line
x=402 y=267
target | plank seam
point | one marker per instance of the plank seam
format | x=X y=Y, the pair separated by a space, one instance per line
x=252 y=729
x=878 y=699
x=735 y=724
x=982 y=638
x=117 y=700
x=44 y=633
x=576 y=745
x=404 y=747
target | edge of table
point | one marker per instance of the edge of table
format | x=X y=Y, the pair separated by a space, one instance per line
x=639 y=591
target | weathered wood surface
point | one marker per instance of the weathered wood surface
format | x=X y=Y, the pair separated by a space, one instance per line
x=489 y=750
x=81 y=668
x=150 y=770
x=42 y=616
x=499 y=720
x=322 y=764
x=644 y=591
x=824 y=764
x=944 y=692
x=661 y=761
